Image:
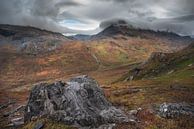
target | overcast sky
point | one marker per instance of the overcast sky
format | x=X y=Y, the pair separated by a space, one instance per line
x=85 y=16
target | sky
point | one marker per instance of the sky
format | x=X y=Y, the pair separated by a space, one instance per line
x=88 y=16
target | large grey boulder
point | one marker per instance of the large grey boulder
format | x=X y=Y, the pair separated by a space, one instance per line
x=79 y=101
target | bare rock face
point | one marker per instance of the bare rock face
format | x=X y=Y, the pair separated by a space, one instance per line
x=79 y=101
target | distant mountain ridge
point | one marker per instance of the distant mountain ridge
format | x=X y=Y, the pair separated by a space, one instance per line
x=30 y=39
x=130 y=31
x=125 y=30
x=80 y=37
x=33 y=40
x=11 y=30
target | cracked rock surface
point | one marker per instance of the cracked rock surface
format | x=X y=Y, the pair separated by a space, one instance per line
x=80 y=102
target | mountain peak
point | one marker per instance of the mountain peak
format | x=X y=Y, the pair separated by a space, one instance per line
x=119 y=27
x=123 y=28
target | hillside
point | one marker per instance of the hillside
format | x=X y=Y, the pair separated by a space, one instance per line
x=165 y=63
x=29 y=54
x=128 y=44
x=29 y=39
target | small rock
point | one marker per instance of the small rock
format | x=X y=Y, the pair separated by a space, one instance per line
x=5 y=105
x=139 y=109
x=39 y=125
x=17 y=119
x=131 y=78
x=21 y=107
x=109 y=126
x=173 y=110
x=170 y=72
x=178 y=87
x=133 y=112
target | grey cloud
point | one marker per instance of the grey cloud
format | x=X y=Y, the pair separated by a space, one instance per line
x=37 y=13
x=44 y=8
x=185 y=18
x=6 y=7
x=119 y=1
x=177 y=15
x=107 y=23
x=50 y=7
x=67 y=3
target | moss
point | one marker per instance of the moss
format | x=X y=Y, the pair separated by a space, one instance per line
x=185 y=63
x=123 y=57
x=177 y=76
x=152 y=127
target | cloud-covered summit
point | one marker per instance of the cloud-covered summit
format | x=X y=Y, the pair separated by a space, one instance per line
x=85 y=16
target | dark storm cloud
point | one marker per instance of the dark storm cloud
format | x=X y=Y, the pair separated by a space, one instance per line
x=176 y=15
x=68 y=3
x=39 y=13
x=51 y=7
x=107 y=23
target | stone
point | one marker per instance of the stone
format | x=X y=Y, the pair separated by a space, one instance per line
x=178 y=87
x=170 y=72
x=39 y=125
x=174 y=110
x=5 y=105
x=79 y=102
x=133 y=112
x=21 y=107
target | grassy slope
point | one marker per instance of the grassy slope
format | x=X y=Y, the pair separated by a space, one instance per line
x=20 y=71
x=163 y=63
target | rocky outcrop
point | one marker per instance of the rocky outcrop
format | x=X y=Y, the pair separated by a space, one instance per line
x=79 y=101
x=173 y=110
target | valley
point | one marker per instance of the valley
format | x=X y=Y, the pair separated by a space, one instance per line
x=135 y=68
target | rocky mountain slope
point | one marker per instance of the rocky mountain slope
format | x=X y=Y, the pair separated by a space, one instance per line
x=80 y=37
x=129 y=44
x=30 y=39
x=124 y=30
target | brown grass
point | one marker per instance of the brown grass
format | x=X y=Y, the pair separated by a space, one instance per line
x=18 y=73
